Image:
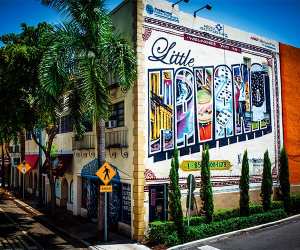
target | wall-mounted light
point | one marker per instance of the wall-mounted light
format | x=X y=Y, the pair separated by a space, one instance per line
x=207 y=6
x=186 y=1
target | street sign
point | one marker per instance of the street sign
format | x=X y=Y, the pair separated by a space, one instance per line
x=105 y=188
x=106 y=173
x=24 y=168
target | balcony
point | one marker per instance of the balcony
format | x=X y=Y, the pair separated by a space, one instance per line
x=86 y=142
x=116 y=138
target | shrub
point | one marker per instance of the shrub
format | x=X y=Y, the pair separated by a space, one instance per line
x=267 y=183
x=162 y=232
x=175 y=196
x=295 y=204
x=284 y=180
x=206 y=188
x=219 y=227
x=244 y=186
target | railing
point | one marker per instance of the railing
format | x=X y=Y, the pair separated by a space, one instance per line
x=116 y=138
x=86 y=142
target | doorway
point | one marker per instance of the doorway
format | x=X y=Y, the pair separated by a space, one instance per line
x=158 y=200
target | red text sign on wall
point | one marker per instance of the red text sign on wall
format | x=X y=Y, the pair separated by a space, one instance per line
x=207 y=42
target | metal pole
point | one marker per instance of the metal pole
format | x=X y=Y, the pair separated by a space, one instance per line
x=190 y=200
x=105 y=217
x=23 y=187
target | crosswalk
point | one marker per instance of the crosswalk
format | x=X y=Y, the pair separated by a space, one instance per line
x=206 y=247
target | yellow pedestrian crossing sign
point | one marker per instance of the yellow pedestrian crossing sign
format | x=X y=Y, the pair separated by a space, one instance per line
x=23 y=167
x=106 y=173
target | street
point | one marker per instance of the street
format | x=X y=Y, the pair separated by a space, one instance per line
x=284 y=236
x=19 y=230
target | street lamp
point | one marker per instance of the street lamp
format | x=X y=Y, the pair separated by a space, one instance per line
x=207 y=6
x=186 y=1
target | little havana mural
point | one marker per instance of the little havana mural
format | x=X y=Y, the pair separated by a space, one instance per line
x=240 y=97
x=192 y=104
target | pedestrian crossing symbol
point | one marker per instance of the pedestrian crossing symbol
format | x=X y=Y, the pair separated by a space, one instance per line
x=23 y=167
x=106 y=173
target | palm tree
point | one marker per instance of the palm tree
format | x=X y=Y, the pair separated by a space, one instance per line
x=85 y=53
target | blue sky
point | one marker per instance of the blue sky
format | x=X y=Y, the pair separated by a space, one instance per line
x=275 y=19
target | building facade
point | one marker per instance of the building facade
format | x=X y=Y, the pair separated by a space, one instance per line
x=198 y=83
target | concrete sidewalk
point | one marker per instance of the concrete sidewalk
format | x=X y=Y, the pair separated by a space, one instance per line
x=76 y=227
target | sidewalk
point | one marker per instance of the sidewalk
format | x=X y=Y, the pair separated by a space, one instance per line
x=76 y=227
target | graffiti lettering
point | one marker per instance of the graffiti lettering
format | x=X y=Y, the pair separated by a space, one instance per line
x=164 y=52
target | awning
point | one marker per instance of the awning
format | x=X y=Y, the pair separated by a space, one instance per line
x=32 y=160
x=62 y=163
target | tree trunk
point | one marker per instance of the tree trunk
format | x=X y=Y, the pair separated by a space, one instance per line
x=2 y=166
x=22 y=150
x=100 y=137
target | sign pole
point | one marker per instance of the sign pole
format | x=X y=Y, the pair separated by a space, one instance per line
x=105 y=217
x=23 y=187
x=190 y=199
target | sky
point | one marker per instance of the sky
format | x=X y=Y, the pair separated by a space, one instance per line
x=275 y=19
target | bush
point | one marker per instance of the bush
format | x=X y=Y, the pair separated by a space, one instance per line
x=175 y=196
x=219 y=227
x=295 y=204
x=267 y=183
x=244 y=186
x=284 y=180
x=206 y=187
x=162 y=232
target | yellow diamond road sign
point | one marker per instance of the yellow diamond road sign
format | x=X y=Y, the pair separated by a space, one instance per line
x=24 y=168
x=106 y=173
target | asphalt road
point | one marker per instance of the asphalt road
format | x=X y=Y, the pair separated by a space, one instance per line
x=19 y=230
x=285 y=236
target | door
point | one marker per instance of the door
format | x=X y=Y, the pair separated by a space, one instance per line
x=158 y=200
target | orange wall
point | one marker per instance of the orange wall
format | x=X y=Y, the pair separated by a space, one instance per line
x=290 y=80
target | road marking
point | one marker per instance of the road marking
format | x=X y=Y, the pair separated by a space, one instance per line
x=206 y=247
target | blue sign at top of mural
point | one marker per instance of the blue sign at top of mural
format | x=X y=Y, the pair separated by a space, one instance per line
x=215 y=29
x=151 y=10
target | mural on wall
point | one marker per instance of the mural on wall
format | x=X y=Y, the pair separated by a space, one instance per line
x=185 y=110
x=161 y=111
x=223 y=102
x=211 y=103
x=241 y=98
x=204 y=96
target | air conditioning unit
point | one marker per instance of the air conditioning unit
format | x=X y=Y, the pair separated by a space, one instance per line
x=112 y=124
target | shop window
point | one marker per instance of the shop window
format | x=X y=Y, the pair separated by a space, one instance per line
x=117 y=115
x=84 y=193
x=126 y=204
x=71 y=195
x=16 y=161
x=17 y=149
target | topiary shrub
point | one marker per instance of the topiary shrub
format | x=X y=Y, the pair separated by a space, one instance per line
x=244 y=186
x=284 y=180
x=175 y=196
x=267 y=183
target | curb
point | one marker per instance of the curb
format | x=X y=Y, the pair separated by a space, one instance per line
x=237 y=232
x=35 y=212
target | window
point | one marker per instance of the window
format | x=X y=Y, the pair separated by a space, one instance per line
x=88 y=125
x=117 y=115
x=65 y=124
x=126 y=203
x=84 y=193
x=16 y=161
x=71 y=195
x=28 y=135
